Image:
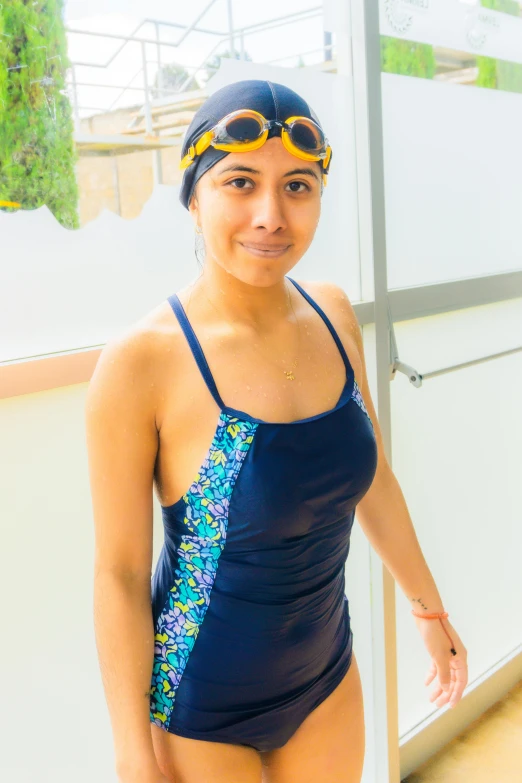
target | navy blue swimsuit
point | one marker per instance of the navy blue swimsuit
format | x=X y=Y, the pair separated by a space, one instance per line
x=251 y=620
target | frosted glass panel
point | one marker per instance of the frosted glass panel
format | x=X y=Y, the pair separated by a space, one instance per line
x=456 y=454
x=464 y=25
x=452 y=180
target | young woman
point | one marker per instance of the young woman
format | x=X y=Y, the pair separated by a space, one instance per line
x=244 y=398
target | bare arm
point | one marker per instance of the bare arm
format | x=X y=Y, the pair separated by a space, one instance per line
x=122 y=443
x=386 y=522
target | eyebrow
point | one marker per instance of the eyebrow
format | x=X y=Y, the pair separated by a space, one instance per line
x=239 y=167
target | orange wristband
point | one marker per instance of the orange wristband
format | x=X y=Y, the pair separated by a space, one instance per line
x=437 y=616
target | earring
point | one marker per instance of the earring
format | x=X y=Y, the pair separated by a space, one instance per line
x=199 y=230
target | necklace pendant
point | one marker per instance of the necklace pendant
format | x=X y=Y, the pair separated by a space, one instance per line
x=289 y=375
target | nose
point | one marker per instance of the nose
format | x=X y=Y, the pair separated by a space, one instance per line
x=268 y=210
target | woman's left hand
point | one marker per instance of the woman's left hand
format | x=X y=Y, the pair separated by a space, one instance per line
x=451 y=670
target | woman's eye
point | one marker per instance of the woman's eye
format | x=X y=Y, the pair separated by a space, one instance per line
x=299 y=183
x=246 y=182
x=239 y=179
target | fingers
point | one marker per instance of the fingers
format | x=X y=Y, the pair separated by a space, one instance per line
x=448 y=691
x=460 y=674
x=431 y=673
x=444 y=673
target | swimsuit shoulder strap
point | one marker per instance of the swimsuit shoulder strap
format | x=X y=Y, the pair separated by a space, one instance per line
x=328 y=323
x=195 y=347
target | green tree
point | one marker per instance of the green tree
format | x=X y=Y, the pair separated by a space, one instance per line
x=506 y=6
x=37 y=153
x=173 y=76
x=407 y=58
x=499 y=74
x=487 y=72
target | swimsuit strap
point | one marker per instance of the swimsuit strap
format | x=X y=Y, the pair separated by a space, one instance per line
x=199 y=356
x=195 y=347
x=329 y=324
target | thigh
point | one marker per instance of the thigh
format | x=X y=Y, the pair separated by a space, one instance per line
x=184 y=760
x=329 y=745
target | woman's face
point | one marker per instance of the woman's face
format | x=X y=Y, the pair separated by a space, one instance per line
x=258 y=215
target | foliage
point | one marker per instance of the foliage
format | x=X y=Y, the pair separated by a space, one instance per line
x=509 y=76
x=415 y=59
x=173 y=76
x=499 y=74
x=506 y=6
x=37 y=154
x=407 y=58
x=487 y=72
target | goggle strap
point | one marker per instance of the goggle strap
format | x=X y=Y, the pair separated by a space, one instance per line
x=201 y=145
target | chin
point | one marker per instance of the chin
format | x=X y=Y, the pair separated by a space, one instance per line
x=263 y=273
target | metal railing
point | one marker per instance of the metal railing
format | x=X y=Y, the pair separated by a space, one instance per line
x=230 y=35
x=416 y=378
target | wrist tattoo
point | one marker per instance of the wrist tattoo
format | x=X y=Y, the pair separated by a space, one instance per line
x=420 y=602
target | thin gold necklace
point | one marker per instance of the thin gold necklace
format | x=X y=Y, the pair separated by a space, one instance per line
x=289 y=374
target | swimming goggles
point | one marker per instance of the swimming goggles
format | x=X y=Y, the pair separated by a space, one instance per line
x=245 y=130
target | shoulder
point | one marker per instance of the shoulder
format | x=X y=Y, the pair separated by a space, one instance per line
x=130 y=370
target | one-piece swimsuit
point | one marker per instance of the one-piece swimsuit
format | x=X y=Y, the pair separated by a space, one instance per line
x=251 y=618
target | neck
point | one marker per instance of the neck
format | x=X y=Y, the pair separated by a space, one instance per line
x=258 y=306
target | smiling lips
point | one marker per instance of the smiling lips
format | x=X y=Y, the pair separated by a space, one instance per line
x=264 y=249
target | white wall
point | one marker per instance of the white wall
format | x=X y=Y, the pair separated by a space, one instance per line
x=456 y=454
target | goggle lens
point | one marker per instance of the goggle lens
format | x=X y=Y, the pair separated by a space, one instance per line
x=307 y=137
x=244 y=129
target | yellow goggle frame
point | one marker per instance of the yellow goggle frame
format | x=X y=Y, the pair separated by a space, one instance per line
x=219 y=138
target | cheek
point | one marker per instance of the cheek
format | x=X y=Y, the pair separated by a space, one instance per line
x=304 y=221
x=223 y=220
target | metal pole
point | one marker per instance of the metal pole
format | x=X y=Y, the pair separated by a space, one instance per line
x=231 y=28
x=158 y=50
x=157 y=173
x=366 y=64
x=148 y=114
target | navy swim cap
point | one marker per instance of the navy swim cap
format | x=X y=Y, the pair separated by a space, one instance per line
x=274 y=101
